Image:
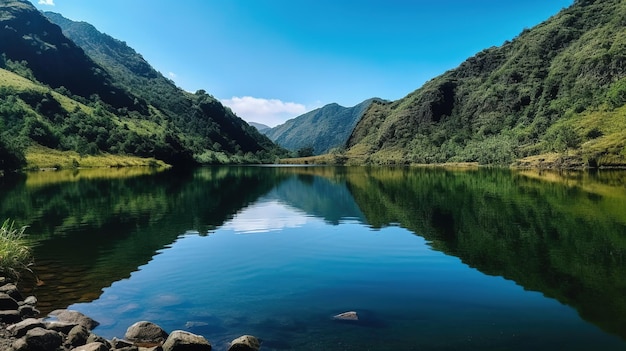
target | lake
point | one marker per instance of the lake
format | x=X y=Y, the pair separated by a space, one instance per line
x=430 y=259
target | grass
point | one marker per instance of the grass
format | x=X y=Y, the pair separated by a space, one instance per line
x=15 y=253
x=39 y=157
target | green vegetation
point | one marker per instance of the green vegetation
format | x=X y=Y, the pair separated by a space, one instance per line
x=559 y=87
x=15 y=253
x=321 y=130
x=104 y=99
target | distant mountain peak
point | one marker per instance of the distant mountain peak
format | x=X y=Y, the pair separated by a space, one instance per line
x=322 y=129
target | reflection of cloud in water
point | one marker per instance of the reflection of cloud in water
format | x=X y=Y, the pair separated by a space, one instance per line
x=265 y=217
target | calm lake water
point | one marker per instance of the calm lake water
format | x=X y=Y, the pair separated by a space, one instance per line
x=430 y=259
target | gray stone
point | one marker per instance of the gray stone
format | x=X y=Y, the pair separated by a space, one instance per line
x=31 y=300
x=20 y=345
x=10 y=317
x=347 y=316
x=70 y=316
x=120 y=344
x=245 y=343
x=77 y=336
x=61 y=327
x=40 y=339
x=19 y=329
x=11 y=290
x=94 y=346
x=97 y=338
x=155 y=348
x=8 y=303
x=181 y=340
x=145 y=333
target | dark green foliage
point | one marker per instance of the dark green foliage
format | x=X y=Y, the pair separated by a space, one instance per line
x=11 y=158
x=500 y=104
x=322 y=129
x=132 y=109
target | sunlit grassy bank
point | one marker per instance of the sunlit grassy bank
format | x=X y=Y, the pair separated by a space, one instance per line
x=38 y=157
x=15 y=254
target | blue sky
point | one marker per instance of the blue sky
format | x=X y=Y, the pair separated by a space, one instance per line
x=270 y=60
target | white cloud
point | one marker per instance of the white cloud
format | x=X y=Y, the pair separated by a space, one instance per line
x=172 y=75
x=271 y=112
x=46 y=2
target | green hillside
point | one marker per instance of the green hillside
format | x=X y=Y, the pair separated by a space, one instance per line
x=555 y=94
x=320 y=130
x=100 y=97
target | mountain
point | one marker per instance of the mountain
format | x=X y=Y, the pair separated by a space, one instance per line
x=27 y=36
x=259 y=126
x=322 y=129
x=78 y=90
x=555 y=92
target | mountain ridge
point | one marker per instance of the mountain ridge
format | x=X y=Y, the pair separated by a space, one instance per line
x=322 y=129
x=546 y=92
x=102 y=97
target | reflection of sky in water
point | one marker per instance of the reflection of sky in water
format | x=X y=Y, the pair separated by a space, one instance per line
x=283 y=286
x=267 y=216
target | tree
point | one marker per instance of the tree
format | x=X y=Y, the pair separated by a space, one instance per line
x=11 y=158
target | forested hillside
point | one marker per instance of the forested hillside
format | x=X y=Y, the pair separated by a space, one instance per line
x=100 y=96
x=557 y=92
x=319 y=131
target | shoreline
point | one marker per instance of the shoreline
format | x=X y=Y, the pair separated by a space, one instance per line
x=22 y=328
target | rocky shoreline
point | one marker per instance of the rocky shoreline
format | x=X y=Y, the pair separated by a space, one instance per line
x=22 y=329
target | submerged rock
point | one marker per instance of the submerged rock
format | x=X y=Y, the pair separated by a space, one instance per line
x=347 y=316
x=69 y=316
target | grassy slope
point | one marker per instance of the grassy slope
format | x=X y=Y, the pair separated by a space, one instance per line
x=517 y=100
x=41 y=157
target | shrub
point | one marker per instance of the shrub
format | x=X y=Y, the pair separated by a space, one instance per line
x=15 y=253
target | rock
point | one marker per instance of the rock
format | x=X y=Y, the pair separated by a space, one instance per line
x=18 y=330
x=10 y=317
x=20 y=345
x=145 y=333
x=94 y=346
x=27 y=311
x=181 y=340
x=120 y=344
x=347 y=316
x=77 y=336
x=69 y=316
x=61 y=327
x=245 y=343
x=93 y=338
x=11 y=290
x=8 y=303
x=40 y=339
x=31 y=300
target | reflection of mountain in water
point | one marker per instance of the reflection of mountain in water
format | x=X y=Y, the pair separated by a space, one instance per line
x=564 y=238
x=93 y=232
x=319 y=197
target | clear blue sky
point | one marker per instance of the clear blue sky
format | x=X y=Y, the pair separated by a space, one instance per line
x=274 y=59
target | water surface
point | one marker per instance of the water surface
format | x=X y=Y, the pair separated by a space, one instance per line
x=429 y=259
